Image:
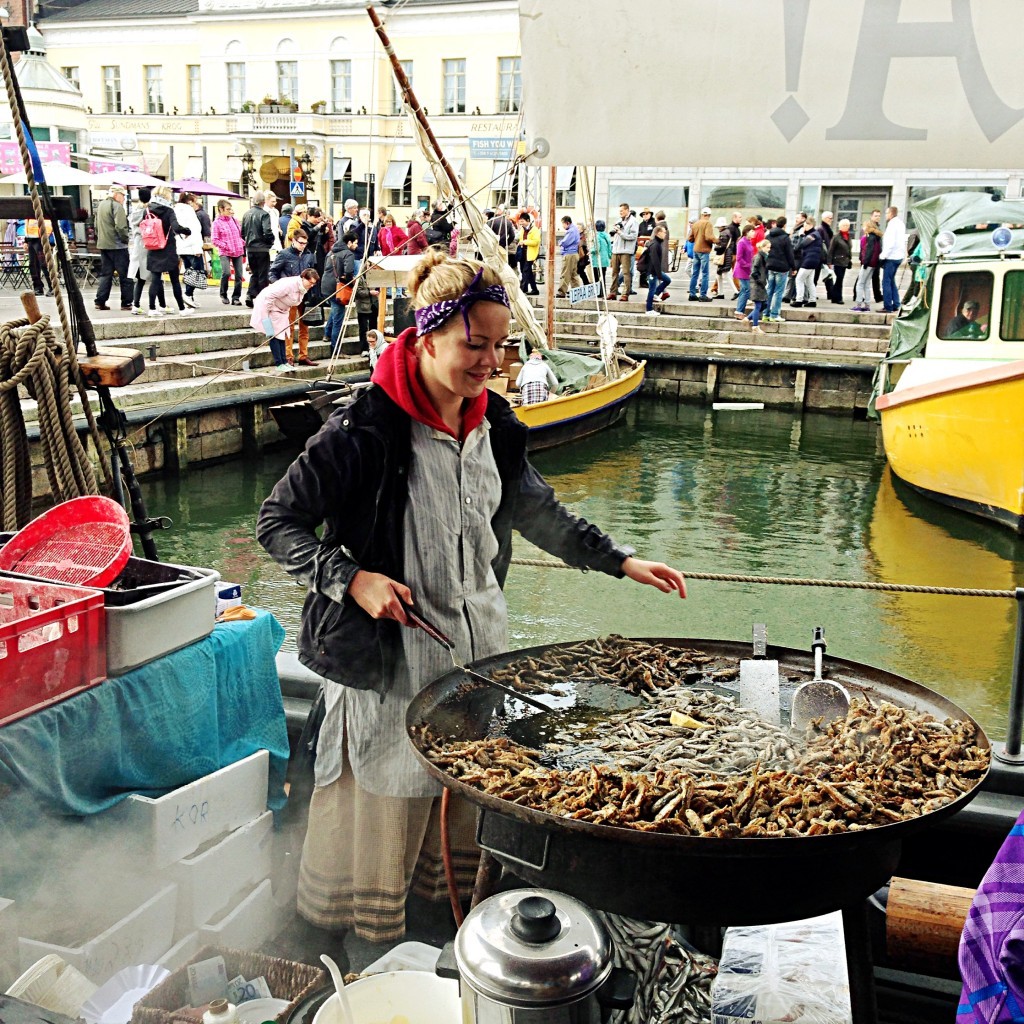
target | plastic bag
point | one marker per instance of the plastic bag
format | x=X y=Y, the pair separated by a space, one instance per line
x=791 y=972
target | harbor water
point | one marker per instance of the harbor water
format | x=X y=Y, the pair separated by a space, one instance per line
x=746 y=492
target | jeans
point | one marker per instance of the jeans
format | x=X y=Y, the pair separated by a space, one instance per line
x=776 y=289
x=805 y=285
x=890 y=294
x=113 y=261
x=744 y=294
x=332 y=329
x=259 y=268
x=860 y=286
x=701 y=267
x=227 y=263
x=657 y=282
x=754 y=316
x=277 y=352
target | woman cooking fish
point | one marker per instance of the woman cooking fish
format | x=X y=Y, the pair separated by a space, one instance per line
x=418 y=486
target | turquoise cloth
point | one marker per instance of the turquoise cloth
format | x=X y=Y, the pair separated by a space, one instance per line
x=162 y=726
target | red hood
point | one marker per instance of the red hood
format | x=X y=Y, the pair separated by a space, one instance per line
x=397 y=372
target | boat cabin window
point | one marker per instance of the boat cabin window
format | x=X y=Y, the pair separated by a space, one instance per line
x=1011 y=323
x=965 y=306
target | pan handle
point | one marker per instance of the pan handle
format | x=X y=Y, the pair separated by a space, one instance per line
x=504 y=855
x=428 y=627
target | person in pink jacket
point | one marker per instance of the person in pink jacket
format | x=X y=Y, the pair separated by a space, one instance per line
x=270 y=313
x=227 y=237
x=392 y=238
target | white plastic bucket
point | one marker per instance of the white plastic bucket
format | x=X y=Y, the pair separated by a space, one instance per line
x=417 y=996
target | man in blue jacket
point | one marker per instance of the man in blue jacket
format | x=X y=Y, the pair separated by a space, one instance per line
x=291 y=262
x=569 y=250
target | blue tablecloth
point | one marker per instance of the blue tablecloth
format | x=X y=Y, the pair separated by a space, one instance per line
x=163 y=725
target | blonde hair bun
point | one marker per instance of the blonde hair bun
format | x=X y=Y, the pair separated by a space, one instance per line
x=438 y=277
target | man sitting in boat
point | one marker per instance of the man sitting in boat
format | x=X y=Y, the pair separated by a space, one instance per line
x=535 y=380
x=965 y=323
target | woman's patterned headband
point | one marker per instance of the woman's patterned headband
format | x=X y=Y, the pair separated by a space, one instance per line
x=432 y=317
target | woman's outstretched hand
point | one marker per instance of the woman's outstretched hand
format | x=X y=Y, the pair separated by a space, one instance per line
x=380 y=596
x=655 y=574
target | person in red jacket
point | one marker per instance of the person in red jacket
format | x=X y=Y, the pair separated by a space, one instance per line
x=417 y=240
x=391 y=238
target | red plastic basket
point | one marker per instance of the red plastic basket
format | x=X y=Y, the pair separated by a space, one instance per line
x=85 y=542
x=53 y=644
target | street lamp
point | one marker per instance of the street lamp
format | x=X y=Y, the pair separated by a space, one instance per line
x=306 y=163
x=248 y=179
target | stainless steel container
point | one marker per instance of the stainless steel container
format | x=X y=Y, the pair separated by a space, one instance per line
x=532 y=955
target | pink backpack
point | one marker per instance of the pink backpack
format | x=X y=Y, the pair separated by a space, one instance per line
x=152 y=230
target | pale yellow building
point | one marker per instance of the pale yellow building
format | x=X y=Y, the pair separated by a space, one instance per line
x=213 y=88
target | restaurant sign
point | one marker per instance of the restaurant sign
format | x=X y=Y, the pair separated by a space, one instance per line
x=491 y=148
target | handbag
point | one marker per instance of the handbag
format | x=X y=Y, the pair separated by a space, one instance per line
x=193 y=278
x=342 y=291
x=718 y=258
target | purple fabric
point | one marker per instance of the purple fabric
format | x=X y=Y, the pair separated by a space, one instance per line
x=437 y=314
x=992 y=944
x=744 y=258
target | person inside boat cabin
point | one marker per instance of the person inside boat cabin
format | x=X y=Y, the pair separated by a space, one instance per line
x=965 y=323
x=418 y=486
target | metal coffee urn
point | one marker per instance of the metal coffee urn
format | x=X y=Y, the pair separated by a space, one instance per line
x=532 y=955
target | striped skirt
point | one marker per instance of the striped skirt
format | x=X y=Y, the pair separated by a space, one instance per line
x=364 y=853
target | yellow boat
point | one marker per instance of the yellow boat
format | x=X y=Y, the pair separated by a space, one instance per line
x=568 y=418
x=953 y=415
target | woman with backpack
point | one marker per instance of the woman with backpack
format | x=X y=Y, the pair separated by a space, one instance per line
x=162 y=251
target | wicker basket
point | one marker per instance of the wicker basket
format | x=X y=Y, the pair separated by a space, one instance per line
x=285 y=978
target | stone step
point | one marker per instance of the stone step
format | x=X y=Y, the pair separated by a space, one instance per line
x=663 y=329
x=165 y=395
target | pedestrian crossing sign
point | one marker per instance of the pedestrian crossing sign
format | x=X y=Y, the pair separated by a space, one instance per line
x=297 y=189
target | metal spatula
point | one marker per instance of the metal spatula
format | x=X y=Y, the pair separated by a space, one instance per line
x=759 y=679
x=446 y=642
x=819 y=698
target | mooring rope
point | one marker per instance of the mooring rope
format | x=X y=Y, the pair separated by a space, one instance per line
x=31 y=355
x=799 y=581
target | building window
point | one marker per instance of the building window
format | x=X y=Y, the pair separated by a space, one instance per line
x=154 y=75
x=396 y=93
x=505 y=187
x=510 y=85
x=236 y=87
x=288 y=81
x=767 y=200
x=195 y=96
x=565 y=186
x=111 y=90
x=397 y=183
x=341 y=87
x=72 y=75
x=454 y=87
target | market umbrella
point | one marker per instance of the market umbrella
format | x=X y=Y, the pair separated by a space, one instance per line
x=130 y=179
x=201 y=188
x=56 y=175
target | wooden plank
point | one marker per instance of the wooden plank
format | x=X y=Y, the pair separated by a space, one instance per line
x=923 y=922
x=112 y=367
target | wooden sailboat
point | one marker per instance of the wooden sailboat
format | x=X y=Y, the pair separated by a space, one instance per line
x=559 y=419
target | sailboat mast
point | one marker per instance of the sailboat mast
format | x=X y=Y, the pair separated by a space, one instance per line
x=549 y=273
x=410 y=98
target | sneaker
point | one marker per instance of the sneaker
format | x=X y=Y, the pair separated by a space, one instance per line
x=248 y=302
x=225 y=300
x=776 y=319
x=99 y=305
x=236 y=302
x=756 y=330
x=157 y=312
x=136 y=310
x=742 y=316
x=664 y=296
x=284 y=368
x=184 y=311
x=691 y=298
x=652 y=312
x=810 y=305
x=127 y=309
x=189 y=301
x=705 y=298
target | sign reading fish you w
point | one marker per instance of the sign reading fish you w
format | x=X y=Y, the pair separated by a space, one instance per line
x=856 y=84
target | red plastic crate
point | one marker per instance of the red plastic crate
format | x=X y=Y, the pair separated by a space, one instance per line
x=53 y=644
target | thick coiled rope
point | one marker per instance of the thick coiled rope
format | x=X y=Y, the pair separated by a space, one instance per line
x=800 y=581
x=31 y=356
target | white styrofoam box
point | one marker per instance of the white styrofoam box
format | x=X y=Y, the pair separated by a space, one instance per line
x=208 y=880
x=137 y=938
x=254 y=921
x=137 y=633
x=8 y=943
x=181 y=952
x=167 y=828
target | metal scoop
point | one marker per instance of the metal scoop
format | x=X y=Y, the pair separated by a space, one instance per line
x=446 y=642
x=759 y=679
x=819 y=698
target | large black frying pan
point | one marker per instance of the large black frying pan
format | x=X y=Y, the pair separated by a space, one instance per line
x=684 y=879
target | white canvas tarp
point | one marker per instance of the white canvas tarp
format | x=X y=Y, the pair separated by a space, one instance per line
x=774 y=83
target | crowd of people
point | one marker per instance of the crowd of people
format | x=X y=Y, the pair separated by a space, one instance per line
x=757 y=263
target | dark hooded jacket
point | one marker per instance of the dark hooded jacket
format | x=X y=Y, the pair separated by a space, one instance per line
x=353 y=478
x=781 y=255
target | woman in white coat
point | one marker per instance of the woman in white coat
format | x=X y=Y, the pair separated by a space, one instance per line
x=190 y=249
